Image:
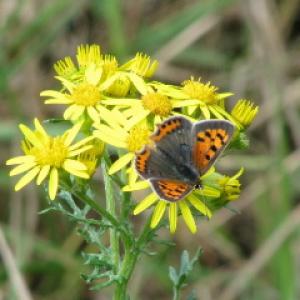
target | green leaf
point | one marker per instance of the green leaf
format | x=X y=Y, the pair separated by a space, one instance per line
x=173 y=275
x=179 y=279
x=241 y=141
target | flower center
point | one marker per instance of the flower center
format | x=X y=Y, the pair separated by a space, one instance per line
x=138 y=137
x=198 y=90
x=86 y=94
x=157 y=103
x=53 y=153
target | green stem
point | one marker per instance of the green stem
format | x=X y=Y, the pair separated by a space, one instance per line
x=176 y=294
x=111 y=208
x=132 y=253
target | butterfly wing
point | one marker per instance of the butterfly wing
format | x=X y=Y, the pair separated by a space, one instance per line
x=170 y=190
x=210 y=137
x=173 y=136
x=171 y=150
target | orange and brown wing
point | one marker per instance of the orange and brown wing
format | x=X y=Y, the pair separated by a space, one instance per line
x=170 y=190
x=210 y=139
x=171 y=147
x=142 y=162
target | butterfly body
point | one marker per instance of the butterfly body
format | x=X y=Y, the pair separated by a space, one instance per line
x=182 y=152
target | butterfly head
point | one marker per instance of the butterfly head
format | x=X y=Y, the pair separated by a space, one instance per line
x=198 y=186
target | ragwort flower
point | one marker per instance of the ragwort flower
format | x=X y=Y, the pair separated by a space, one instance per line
x=153 y=105
x=87 y=56
x=83 y=98
x=195 y=200
x=45 y=156
x=131 y=140
x=243 y=113
x=141 y=65
x=196 y=94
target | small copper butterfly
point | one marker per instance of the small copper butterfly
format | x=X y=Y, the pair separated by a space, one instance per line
x=182 y=151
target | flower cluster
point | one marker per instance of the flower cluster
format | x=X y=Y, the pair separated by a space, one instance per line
x=119 y=105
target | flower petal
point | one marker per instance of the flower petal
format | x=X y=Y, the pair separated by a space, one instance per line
x=120 y=163
x=93 y=74
x=205 y=111
x=69 y=85
x=71 y=134
x=139 y=116
x=173 y=217
x=70 y=169
x=109 y=139
x=56 y=97
x=22 y=168
x=158 y=213
x=140 y=185
x=157 y=119
x=223 y=95
x=80 y=143
x=27 y=178
x=30 y=135
x=145 y=203
x=78 y=111
x=80 y=150
x=68 y=113
x=191 y=109
x=121 y=102
x=208 y=192
x=199 y=205
x=108 y=82
x=132 y=175
x=187 y=216
x=43 y=174
x=74 y=164
x=40 y=128
x=183 y=103
x=139 y=83
x=52 y=93
x=20 y=160
x=107 y=116
x=93 y=113
x=119 y=133
x=215 y=112
x=58 y=101
x=119 y=117
x=53 y=183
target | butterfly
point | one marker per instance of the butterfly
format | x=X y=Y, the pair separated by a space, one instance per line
x=181 y=152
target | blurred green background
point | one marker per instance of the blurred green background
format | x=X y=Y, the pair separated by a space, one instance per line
x=249 y=47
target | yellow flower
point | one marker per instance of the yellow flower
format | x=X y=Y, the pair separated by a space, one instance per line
x=141 y=65
x=45 y=156
x=131 y=140
x=87 y=56
x=66 y=68
x=230 y=186
x=153 y=105
x=194 y=200
x=83 y=98
x=90 y=158
x=244 y=113
x=130 y=77
x=196 y=94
